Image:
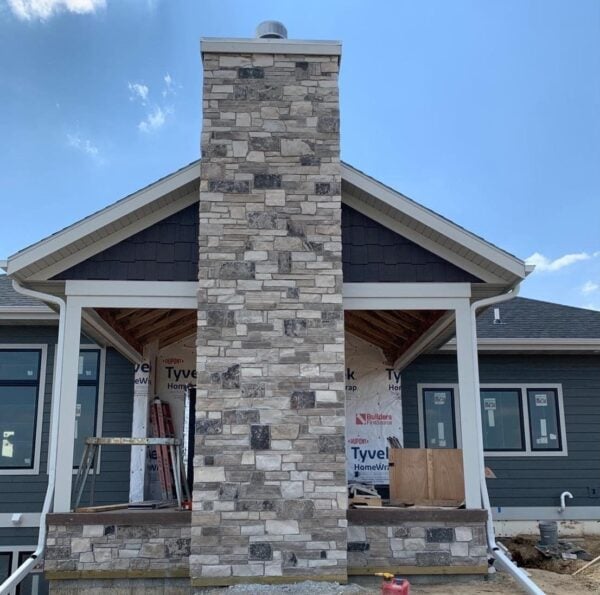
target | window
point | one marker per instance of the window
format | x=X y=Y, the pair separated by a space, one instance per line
x=5 y=565
x=544 y=424
x=11 y=558
x=502 y=419
x=439 y=427
x=516 y=419
x=86 y=411
x=21 y=399
x=34 y=583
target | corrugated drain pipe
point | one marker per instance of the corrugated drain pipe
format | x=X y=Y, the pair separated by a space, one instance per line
x=500 y=557
x=24 y=569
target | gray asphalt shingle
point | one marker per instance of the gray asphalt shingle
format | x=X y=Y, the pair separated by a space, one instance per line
x=533 y=319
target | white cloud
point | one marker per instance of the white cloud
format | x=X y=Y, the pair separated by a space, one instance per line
x=28 y=10
x=155 y=119
x=589 y=287
x=138 y=91
x=543 y=263
x=169 y=88
x=83 y=144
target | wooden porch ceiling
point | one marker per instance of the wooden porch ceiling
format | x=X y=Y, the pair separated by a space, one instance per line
x=141 y=326
x=393 y=331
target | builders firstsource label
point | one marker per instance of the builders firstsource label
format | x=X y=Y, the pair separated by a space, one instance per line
x=373 y=412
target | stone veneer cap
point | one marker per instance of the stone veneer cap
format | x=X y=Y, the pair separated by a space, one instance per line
x=216 y=45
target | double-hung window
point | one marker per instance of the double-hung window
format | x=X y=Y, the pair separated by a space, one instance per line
x=21 y=403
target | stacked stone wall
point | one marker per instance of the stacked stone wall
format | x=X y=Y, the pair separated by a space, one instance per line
x=418 y=546
x=270 y=485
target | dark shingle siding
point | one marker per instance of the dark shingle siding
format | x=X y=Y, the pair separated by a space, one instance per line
x=526 y=318
x=530 y=480
x=373 y=253
x=166 y=251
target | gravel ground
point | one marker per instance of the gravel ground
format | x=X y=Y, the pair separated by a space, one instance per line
x=304 y=588
x=501 y=584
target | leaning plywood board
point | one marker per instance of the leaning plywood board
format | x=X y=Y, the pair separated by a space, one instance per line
x=424 y=476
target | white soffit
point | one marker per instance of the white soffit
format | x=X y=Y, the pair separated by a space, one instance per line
x=107 y=227
x=430 y=230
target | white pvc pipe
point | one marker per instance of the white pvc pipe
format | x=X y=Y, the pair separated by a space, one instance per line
x=24 y=569
x=563 y=501
x=503 y=560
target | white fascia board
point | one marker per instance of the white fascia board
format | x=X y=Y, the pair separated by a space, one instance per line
x=434 y=221
x=114 y=238
x=142 y=289
x=407 y=290
x=210 y=45
x=104 y=217
x=527 y=344
x=3 y=264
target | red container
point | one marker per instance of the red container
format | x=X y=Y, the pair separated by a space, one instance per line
x=395 y=586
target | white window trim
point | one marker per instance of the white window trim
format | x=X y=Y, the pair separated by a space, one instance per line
x=522 y=388
x=15 y=550
x=37 y=450
x=456 y=394
x=100 y=405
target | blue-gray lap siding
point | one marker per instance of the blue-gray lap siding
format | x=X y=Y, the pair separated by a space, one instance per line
x=530 y=480
x=25 y=493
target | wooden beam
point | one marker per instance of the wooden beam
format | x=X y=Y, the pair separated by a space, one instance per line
x=109 y=318
x=179 y=335
x=390 y=325
x=143 y=317
x=167 y=321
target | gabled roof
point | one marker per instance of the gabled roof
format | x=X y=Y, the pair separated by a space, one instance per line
x=105 y=228
x=523 y=318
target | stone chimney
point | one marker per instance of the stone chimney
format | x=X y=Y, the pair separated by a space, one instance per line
x=269 y=471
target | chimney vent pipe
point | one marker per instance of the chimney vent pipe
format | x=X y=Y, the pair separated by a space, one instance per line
x=271 y=30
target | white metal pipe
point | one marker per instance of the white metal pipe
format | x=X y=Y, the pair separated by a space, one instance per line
x=24 y=569
x=501 y=558
x=563 y=503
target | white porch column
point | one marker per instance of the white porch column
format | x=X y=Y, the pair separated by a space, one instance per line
x=469 y=394
x=143 y=392
x=68 y=391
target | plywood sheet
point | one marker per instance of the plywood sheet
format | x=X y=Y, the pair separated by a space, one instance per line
x=424 y=476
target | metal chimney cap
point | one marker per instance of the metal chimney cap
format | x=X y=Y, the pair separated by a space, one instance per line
x=271 y=30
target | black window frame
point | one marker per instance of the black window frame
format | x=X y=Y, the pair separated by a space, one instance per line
x=37 y=383
x=559 y=428
x=519 y=391
x=10 y=554
x=453 y=403
x=95 y=383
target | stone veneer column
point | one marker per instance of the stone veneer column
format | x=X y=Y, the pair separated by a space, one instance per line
x=269 y=471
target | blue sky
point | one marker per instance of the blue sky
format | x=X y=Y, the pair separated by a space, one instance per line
x=487 y=112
